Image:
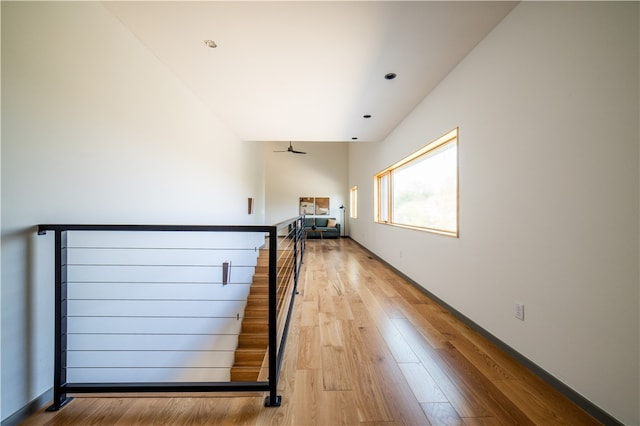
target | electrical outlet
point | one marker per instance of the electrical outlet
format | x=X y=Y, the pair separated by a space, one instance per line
x=520 y=311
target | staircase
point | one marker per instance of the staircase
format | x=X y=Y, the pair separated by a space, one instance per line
x=253 y=340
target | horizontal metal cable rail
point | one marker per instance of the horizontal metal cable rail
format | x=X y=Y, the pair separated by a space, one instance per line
x=159 y=308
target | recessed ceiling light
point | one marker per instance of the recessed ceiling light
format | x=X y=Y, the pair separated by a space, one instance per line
x=390 y=76
x=367 y=116
x=210 y=43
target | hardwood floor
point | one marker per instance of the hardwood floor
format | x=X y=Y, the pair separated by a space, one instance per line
x=365 y=348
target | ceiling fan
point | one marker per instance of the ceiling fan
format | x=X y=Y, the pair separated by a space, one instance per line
x=290 y=149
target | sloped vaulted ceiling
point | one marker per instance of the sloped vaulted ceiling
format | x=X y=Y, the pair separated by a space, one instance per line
x=310 y=71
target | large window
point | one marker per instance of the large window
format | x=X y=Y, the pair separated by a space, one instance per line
x=421 y=190
x=353 y=203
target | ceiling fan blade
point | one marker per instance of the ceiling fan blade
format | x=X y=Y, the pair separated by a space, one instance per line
x=290 y=149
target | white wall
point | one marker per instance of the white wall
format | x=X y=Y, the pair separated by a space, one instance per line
x=96 y=130
x=548 y=111
x=322 y=172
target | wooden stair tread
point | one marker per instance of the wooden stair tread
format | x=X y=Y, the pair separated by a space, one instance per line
x=254 y=332
x=245 y=374
x=253 y=339
x=249 y=357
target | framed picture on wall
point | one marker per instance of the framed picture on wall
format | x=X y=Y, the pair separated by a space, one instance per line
x=322 y=205
x=314 y=205
x=307 y=205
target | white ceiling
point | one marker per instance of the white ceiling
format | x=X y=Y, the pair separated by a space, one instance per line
x=309 y=71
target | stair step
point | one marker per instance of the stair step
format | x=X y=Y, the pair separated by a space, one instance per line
x=249 y=357
x=254 y=326
x=262 y=272
x=260 y=290
x=256 y=306
x=255 y=318
x=260 y=316
x=256 y=311
x=262 y=299
x=263 y=259
x=244 y=374
x=254 y=334
x=253 y=340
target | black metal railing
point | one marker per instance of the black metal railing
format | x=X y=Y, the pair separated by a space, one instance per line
x=284 y=242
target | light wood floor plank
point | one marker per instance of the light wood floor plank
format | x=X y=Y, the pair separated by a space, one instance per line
x=441 y=413
x=308 y=353
x=422 y=384
x=542 y=404
x=309 y=313
x=483 y=421
x=336 y=373
x=482 y=389
x=365 y=347
x=481 y=359
x=398 y=346
x=367 y=384
x=457 y=392
x=342 y=308
x=330 y=333
x=400 y=399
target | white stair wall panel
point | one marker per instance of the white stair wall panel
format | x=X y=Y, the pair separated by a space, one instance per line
x=152 y=326
x=149 y=359
x=165 y=239
x=141 y=342
x=156 y=274
x=151 y=306
x=155 y=308
x=147 y=375
x=160 y=256
x=159 y=291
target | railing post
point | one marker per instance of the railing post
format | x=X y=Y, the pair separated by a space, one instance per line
x=295 y=257
x=60 y=398
x=273 y=399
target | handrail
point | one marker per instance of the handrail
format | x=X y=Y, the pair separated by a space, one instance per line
x=183 y=228
x=294 y=239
